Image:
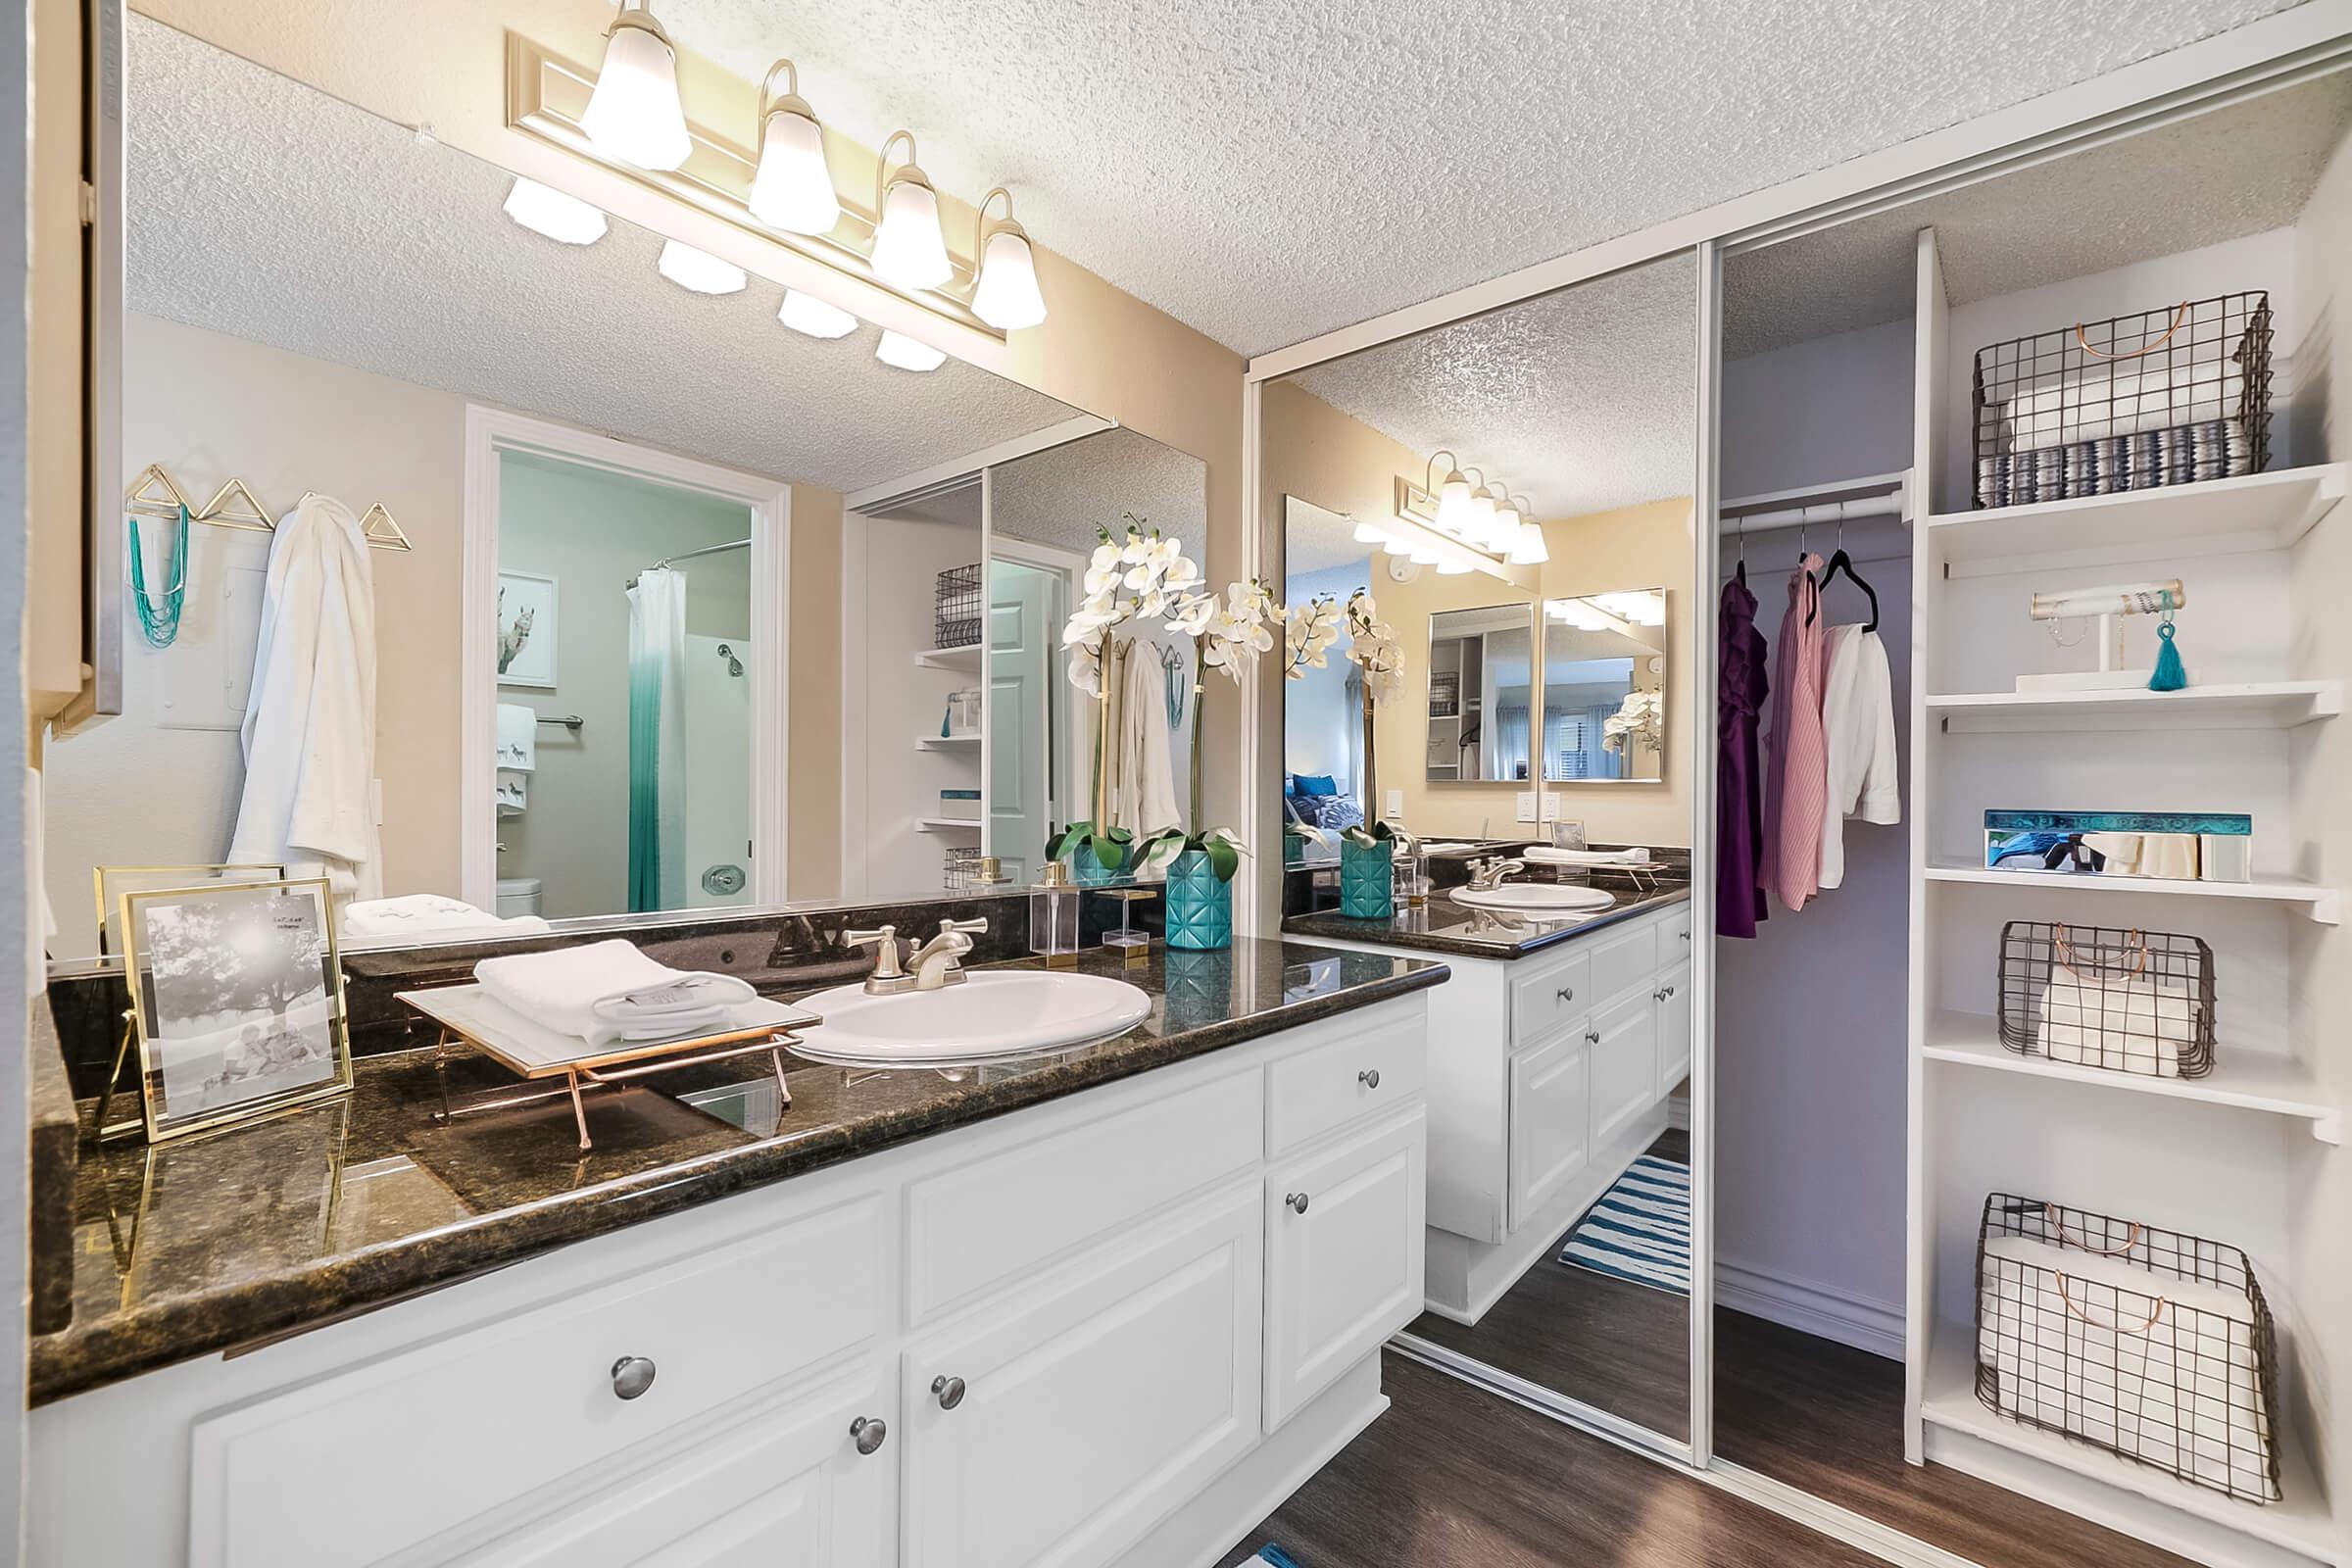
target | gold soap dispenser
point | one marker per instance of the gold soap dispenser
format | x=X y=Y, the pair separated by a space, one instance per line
x=1053 y=918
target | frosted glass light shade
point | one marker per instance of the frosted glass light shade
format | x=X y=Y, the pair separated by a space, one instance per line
x=1453 y=505
x=1423 y=555
x=545 y=210
x=1481 y=529
x=1007 y=297
x=698 y=271
x=634 y=114
x=1453 y=566
x=794 y=190
x=806 y=313
x=908 y=355
x=910 y=251
x=1505 y=534
x=1529 y=550
x=1397 y=545
x=1370 y=533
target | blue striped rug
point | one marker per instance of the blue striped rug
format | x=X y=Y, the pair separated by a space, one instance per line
x=1639 y=1229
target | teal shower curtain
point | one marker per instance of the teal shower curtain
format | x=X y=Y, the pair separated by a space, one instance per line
x=658 y=741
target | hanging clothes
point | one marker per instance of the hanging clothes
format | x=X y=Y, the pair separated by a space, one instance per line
x=308 y=735
x=1742 y=687
x=1796 y=787
x=1857 y=721
x=658 y=741
x=1143 y=794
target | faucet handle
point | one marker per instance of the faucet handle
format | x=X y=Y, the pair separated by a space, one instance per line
x=971 y=927
x=886 y=963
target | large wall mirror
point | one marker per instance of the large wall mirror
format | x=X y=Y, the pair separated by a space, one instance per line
x=1605 y=658
x=1481 y=687
x=677 y=592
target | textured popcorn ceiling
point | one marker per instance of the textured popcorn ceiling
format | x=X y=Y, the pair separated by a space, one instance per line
x=2233 y=172
x=1581 y=400
x=1314 y=539
x=1266 y=170
x=266 y=210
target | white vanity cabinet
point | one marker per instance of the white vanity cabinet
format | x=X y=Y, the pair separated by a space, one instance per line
x=1101 y=1330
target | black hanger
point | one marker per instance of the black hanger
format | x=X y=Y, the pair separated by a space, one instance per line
x=1841 y=561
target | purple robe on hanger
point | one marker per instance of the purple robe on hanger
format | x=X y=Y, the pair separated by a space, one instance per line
x=1742 y=687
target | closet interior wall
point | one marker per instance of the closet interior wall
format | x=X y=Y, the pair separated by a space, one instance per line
x=1810 y=1016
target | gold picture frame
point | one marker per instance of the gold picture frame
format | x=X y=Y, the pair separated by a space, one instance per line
x=237 y=1002
x=104 y=877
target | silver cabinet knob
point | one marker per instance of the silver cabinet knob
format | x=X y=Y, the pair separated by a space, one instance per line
x=1668 y=991
x=870 y=1432
x=1592 y=1036
x=1685 y=935
x=1298 y=1202
x=632 y=1375
x=949 y=1392
x=1566 y=992
x=1369 y=1077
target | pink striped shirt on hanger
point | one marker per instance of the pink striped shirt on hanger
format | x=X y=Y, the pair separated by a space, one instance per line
x=1796 y=765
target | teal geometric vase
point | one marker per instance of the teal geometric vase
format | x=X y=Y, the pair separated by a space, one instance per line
x=1090 y=872
x=1200 y=905
x=1367 y=879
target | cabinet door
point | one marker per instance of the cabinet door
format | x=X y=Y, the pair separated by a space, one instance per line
x=1625 y=1063
x=1055 y=1429
x=792 y=1485
x=1550 y=1104
x=1344 y=1249
x=1674 y=1027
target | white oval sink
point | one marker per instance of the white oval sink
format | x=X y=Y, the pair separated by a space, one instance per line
x=989 y=1016
x=1535 y=898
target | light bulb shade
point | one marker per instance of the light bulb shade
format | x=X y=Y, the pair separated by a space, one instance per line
x=1396 y=545
x=908 y=355
x=1423 y=555
x=546 y=211
x=1505 y=534
x=1370 y=533
x=698 y=271
x=806 y=313
x=1453 y=504
x=910 y=251
x=634 y=114
x=1453 y=566
x=1481 y=531
x=1008 y=296
x=793 y=189
x=1529 y=549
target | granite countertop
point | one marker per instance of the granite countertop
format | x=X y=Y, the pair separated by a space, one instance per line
x=1445 y=926
x=192 y=1248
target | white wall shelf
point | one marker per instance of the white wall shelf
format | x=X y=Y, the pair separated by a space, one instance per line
x=2244 y=1080
x=2260 y=705
x=2301 y=1521
x=2321 y=903
x=945 y=824
x=2221 y=517
x=965 y=658
x=946 y=743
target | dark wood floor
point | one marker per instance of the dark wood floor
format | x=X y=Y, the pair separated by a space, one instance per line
x=1618 y=1346
x=1829 y=1419
x=1455 y=1478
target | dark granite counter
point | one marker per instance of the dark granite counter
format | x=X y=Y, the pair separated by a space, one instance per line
x=51 y=1150
x=191 y=1248
x=1445 y=926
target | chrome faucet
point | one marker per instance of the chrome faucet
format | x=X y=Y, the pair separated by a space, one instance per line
x=935 y=961
x=1486 y=875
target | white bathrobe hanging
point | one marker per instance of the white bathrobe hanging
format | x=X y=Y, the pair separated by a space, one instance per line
x=309 y=719
x=1143 y=779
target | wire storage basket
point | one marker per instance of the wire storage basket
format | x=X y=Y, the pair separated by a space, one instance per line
x=955 y=618
x=2095 y=996
x=2161 y=397
x=962 y=870
x=2154 y=1346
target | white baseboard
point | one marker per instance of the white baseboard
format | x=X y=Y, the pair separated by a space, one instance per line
x=1811 y=1308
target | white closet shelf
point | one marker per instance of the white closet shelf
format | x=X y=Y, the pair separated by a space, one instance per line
x=2321 y=903
x=945 y=824
x=945 y=743
x=2300 y=1522
x=2256 y=705
x=2218 y=517
x=967 y=658
x=2246 y=1080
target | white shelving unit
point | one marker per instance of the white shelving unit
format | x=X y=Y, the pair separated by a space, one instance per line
x=946 y=824
x=2250 y=705
x=946 y=743
x=2321 y=903
x=964 y=660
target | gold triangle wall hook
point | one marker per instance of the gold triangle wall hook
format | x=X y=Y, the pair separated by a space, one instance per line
x=380 y=531
x=155 y=490
x=233 y=505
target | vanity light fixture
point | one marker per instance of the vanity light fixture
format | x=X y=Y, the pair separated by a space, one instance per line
x=1421 y=554
x=698 y=271
x=1528 y=547
x=806 y=313
x=911 y=251
x=634 y=114
x=1642 y=609
x=1453 y=492
x=907 y=353
x=1454 y=567
x=1370 y=533
x=1396 y=545
x=1007 y=294
x=793 y=189
x=544 y=210
x=1478 y=528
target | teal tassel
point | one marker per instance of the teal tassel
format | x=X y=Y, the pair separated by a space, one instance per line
x=2169 y=675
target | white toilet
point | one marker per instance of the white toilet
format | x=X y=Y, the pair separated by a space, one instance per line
x=517 y=895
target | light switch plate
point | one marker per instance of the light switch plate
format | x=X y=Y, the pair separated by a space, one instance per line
x=1527 y=805
x=1394 y=807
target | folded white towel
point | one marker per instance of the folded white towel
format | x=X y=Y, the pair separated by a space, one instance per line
x=2124 y=398
x=2122 y=1021
x=518 y=736
x=607 y=991
x=1561 y=856
x=428 y=916
x=513 y=792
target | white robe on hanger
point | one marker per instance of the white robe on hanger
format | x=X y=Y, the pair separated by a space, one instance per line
x=309 y=719
x=1142 y=797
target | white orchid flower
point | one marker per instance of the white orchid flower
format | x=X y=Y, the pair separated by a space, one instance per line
x=1191 y=613
x=1182 y=576
x=1086 y=668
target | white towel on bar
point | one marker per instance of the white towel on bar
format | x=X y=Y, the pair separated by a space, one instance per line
x=431 y=917
x=513 y=792
x=607 y=991
x=517 y=737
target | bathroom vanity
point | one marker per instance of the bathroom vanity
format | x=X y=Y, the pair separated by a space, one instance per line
x=1562 y=1046
x=1107 y=1306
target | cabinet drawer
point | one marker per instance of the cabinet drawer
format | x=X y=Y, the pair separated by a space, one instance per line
x=361 y=1466
x=1551 y=1107
x=1001 y=1216
x=1333 y=1084
x=1344 y=1234
x=1549 y=995
x=1623 y=960
x=1625 y=1064
x=1674 y=936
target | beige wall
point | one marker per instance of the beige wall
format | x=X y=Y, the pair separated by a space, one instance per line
x=55 y=596
x=813 y=630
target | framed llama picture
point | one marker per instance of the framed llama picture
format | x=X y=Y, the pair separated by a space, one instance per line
x=527 y=630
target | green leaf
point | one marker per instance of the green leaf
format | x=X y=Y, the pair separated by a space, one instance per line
x=1223 y=860
x=1110 y=851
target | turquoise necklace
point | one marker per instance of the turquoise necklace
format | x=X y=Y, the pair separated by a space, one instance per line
x=159 y=614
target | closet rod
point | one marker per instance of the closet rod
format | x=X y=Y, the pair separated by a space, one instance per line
x=1883 y=495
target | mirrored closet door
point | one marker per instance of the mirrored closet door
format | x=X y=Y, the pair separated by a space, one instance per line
x=1493 y=520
